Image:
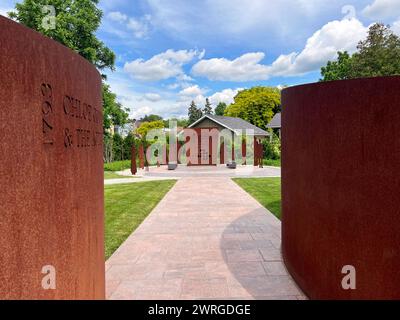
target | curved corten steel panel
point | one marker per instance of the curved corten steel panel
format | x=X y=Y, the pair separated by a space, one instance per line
x=341 y=187
x=51 y=170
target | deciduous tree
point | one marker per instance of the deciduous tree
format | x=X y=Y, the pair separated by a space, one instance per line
x=76 y=24
x=75 y=27
x=256 y=105
x=377 y=55
x=114 y=113
x=147 y=126
x=339 y=69
x=151 y=118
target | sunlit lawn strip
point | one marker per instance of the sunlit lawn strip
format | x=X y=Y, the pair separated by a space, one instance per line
x=127 y=205
x=113 y=175
x=267 y=191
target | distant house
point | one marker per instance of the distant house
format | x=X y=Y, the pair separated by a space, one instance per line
x=235 y=126
x=124 y=130
x=276 y=123
x=136 y=124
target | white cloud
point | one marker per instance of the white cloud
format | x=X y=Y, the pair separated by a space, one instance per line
x=184 y=78
x=141 y=112
x=4 y=11
x=133 y=94
x=192 y=91
x=245 y=68
x=117 y=16
x=197 y=95
x=161 y=66
x=257 y=21
x=173 y=86
x=396 y=27
x=225 y=95
x=139 y=26
x=154 y=97
x=320 y=47
x=199 y=100
x=382 y=9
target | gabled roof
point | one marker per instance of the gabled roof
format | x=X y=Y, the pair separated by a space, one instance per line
x=233 y=124
x=275 y=122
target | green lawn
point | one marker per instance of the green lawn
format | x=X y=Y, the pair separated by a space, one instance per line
x=127 y=205
x=266 y=190
x=113 y=175
x=272 y=163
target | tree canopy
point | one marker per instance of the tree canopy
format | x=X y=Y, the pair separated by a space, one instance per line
x=220 y=109
x=114 y=113
x=339 y=69
x=76 y=24
x=256 y=105
x=151 y=118
x=377 y=55
x=180 y=122
x=147 y=126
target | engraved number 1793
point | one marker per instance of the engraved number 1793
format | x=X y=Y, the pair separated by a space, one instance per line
x=47 y=110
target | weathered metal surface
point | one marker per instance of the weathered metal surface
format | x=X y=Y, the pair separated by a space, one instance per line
x=141 y=156
x=133 y=159
x=340 y=187
x=51 y=169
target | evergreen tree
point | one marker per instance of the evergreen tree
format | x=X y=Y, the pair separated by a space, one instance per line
x=194 y=113
x=207 y=108
x=220 y=109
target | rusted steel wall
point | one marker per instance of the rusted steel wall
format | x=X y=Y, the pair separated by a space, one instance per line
x=51 y=169
x=258 y=152
x=341 y=187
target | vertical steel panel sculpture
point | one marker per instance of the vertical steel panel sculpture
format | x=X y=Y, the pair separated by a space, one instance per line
x=341 y=187
x=51 y=170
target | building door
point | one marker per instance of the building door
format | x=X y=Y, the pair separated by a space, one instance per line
x=205 y=148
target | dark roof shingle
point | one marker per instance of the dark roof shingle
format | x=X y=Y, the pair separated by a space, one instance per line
x=236 y=124
x=275 y=122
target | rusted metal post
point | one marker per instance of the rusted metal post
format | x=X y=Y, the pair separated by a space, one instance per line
x=133 y=160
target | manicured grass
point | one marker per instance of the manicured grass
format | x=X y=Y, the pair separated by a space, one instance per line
x=273 y=163
x=113 y=175
x=117 y=165
x=267 y=191
x=127 y=205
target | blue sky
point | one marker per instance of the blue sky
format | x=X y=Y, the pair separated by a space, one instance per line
x=172 y=52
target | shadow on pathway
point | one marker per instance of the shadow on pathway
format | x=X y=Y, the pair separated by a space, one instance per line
x=207 y=239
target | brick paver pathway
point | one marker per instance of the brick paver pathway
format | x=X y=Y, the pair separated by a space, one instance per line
x=207 y=239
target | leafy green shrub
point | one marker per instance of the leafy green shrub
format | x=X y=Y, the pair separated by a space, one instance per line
x=272 y=163
x=117 y=165
x=272 y=150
